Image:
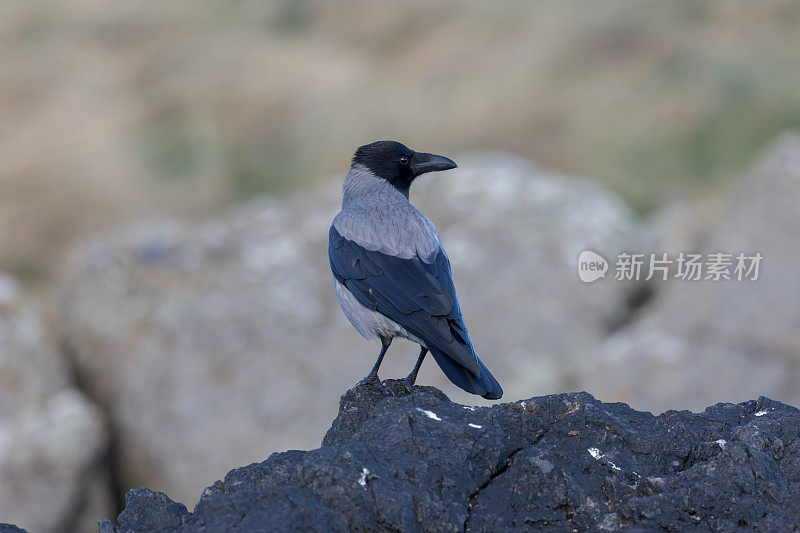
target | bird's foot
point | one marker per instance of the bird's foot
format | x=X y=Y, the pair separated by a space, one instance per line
x=409 y=384
x=372 y=380
x=399 y=387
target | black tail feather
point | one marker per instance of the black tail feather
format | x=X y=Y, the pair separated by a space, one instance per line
x=482 y=384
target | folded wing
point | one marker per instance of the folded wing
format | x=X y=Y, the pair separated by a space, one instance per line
x=419 y=296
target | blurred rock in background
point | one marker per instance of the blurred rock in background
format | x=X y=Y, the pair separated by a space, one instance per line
x=52 y=439
x=701 y=341
x=213 y=344
x=114 y=112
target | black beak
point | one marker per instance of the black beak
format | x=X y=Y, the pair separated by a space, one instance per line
x=422 y=163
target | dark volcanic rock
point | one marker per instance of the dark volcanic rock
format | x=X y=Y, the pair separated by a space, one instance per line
x=10 y=528
x=146 y=510
x=566 y=462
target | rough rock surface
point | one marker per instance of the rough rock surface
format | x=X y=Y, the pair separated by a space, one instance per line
x=743 y=333
x=51 y=436
x=165 y=320
x=565 y=462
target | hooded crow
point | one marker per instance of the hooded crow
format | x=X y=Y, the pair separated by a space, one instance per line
x=391 y=274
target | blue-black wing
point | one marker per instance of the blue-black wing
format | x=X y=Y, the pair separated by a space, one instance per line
x=419 y=296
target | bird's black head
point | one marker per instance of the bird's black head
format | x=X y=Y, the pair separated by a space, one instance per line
x=398 y=164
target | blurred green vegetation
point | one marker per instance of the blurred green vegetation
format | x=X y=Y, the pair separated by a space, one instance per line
x=140 y=107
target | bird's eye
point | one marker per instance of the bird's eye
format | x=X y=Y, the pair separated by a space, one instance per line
x=404 y=160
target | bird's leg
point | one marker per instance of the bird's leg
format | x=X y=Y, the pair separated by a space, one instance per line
x=412 y=377
x=372 y=377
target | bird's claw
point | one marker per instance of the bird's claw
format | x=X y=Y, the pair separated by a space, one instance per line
x=373 y=380
x=409 y=385
x=399 y=387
